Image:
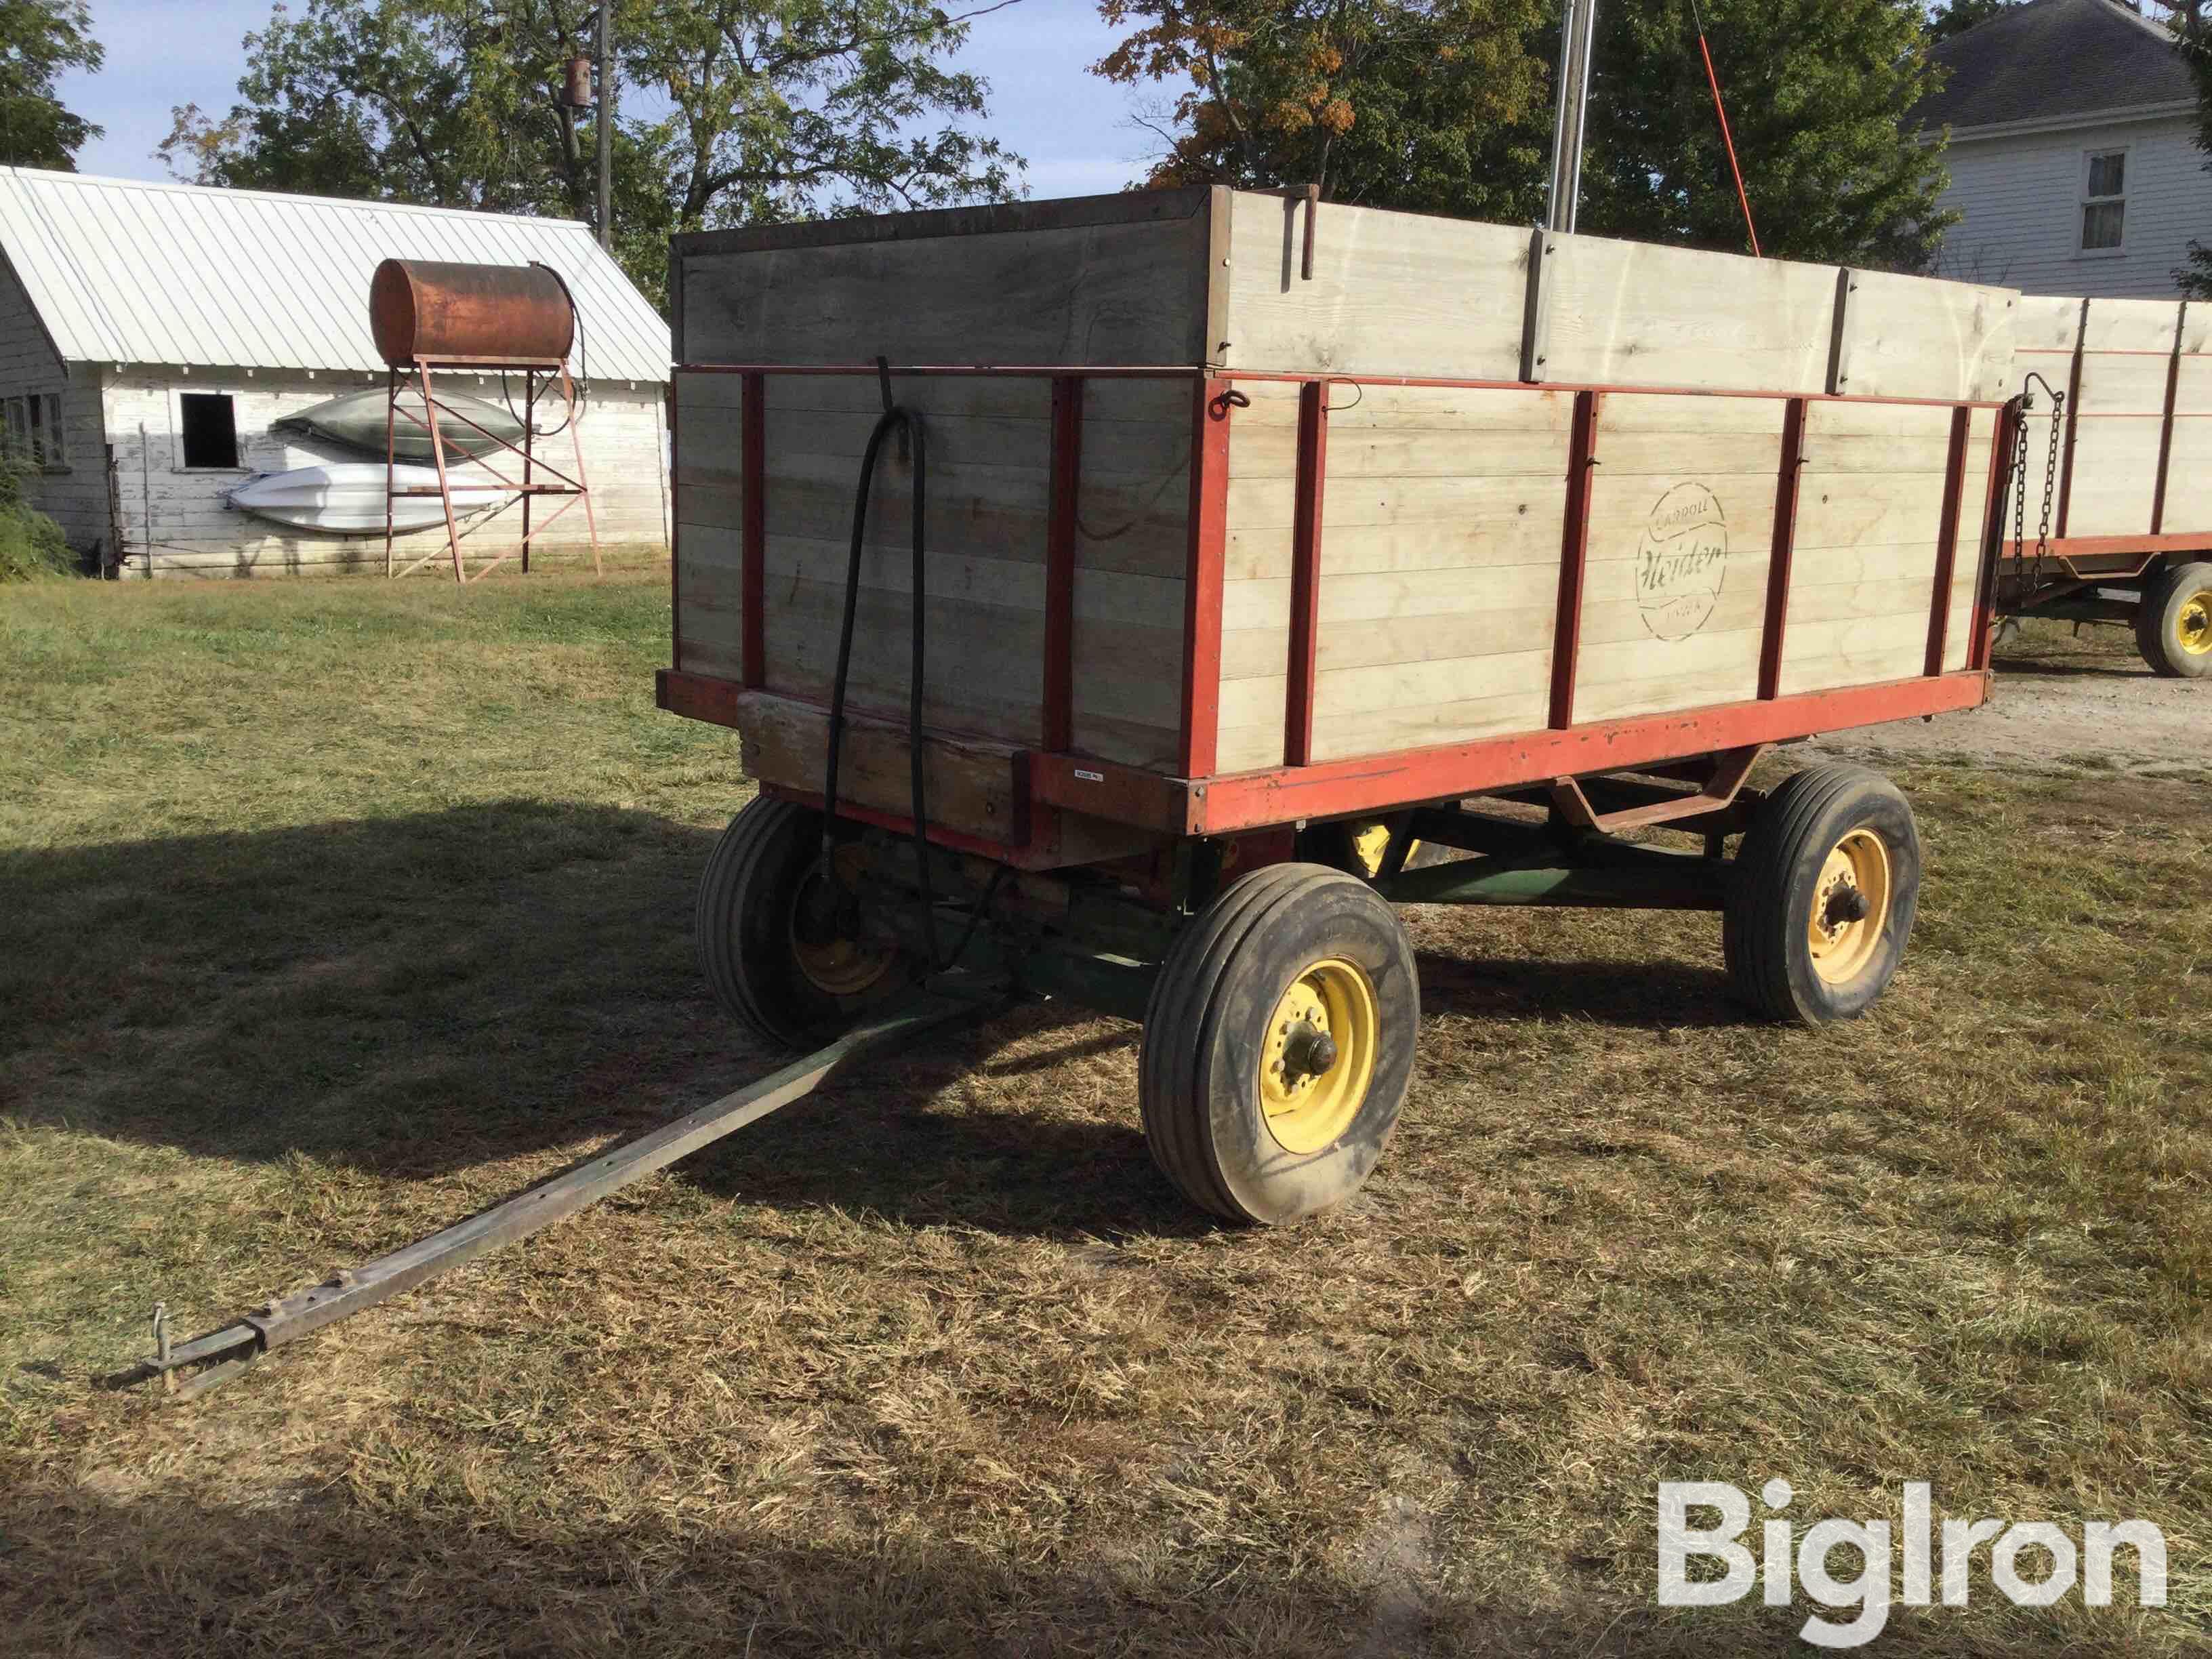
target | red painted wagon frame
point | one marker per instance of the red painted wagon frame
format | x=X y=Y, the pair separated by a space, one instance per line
x=1198 y=801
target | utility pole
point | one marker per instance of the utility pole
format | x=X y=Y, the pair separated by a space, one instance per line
x=606 y=131
x=1576 y=29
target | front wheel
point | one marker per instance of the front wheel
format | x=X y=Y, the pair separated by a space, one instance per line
x=1278 y=1044
x=779 y=940
x=2173 y=623
x=1823 y=895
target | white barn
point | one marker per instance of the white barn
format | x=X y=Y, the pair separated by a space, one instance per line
x=2072 y=153
x=125 y=305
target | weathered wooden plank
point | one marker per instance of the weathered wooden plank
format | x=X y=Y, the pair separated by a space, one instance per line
x=1914 y=337
x=970 y=787
x=1391 y=293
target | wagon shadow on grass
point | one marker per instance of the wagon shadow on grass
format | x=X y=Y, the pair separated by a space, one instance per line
x=413 y=997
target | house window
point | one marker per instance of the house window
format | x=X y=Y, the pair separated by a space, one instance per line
x=35 y=428
x=209 y=424
x=2104 y=202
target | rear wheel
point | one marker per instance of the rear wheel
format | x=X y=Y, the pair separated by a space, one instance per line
x=1278 y=1044
x=1825 y=891
x=2173 y=623
x=778 y=937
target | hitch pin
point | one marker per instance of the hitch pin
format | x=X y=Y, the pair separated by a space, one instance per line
x=162 y=1345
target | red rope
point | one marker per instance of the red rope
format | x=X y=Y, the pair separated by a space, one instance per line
x=1729 y=139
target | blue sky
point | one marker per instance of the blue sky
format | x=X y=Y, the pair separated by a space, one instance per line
x=1072 y=127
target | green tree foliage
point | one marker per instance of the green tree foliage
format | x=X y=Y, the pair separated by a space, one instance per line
x=40 y=38
x=1419 y=104
x=1446 y=106
x=30 y=543
x=727 y=112
x=1952 y=17
x=1818 y=95
x=2194 y=32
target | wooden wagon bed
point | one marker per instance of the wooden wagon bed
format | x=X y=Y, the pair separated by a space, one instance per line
x=1244 y=510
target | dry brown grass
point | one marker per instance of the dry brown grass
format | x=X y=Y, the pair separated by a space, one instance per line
x=335 y=913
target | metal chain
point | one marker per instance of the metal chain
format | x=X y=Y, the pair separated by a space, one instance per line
x=2049 y=483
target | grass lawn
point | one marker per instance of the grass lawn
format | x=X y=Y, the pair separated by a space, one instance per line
x=330 y=913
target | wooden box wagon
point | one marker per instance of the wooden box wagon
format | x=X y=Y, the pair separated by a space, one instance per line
x=2112 y=510
x=1222 y=548
x=1115 y=596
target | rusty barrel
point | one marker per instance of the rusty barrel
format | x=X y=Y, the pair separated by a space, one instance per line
x=444 y=311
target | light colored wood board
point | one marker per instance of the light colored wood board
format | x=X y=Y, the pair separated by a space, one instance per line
x=1350 y=550
x=1264 y=453
x=717 y=507
x=1254 y=653
x=968 y=787
x=1725 y=669
x=1127 y=686
x=2192 y=395
x=1908 y=594
x=1380 y=596
x=1679 y=414
x=1383 y=408
x=2113 y=385
x=1648 y=517
x=1867 y=511
x=1257 y=552
x=708 y=447
x=1391 y=293
x=1820 y=656
x=1003 y=584
x=1915 y=336
x=1401 y=685
x=1426 y=453
x=1611 y=618
x=1145 y=450
x=1633 y=313
x=1263 y=502
x=2129 y=325
x=1255 y=739
x=2114 y=479
x=985 y=662
x=1453 y=635
x=709 y=609
x=1427 y=725
x=1111 y=293
x=1261 y=604
x=1854 y=567
x=2045 y=324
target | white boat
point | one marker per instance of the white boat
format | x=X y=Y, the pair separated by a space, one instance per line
x=357 y=421
x=346 y=498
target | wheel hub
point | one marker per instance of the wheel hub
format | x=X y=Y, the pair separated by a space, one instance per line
x=825 y=932
x=1850 y=906
x=1319 y=1056
x=2193 y=628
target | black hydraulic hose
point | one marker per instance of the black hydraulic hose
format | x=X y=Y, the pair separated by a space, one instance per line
x=893 y=418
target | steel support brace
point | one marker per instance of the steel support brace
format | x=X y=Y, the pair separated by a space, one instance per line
x=1630 y=878
x=1574 y=560
x=1782 y=554
x=1305 y=573
x=1947 y=541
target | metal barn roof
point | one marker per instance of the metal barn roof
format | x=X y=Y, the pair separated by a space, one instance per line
x=126 y=271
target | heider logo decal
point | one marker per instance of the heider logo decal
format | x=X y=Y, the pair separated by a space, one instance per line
x=1680 y=560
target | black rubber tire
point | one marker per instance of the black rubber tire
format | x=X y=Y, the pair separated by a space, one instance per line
x=1204 y=1031
x=1776 y=878
x=2158 y=621
x=742 y=926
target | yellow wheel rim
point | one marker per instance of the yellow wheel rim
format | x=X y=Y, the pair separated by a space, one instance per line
x=837 y=966
x=1320 y=1055
x=1851 y=908
x=1370 y=842
x=2192 y=629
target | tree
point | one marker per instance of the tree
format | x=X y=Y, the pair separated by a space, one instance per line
x=1819 y=95
x=40 y=38
x=1447 y=109
x=2193 y=35
x=1951 y=17
x=750 y=110
x=1421 y=104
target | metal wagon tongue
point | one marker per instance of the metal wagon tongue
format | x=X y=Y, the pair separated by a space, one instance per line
x=206 y=1362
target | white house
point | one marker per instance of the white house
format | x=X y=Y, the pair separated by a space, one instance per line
x=151 y=333
x=2072 y=152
